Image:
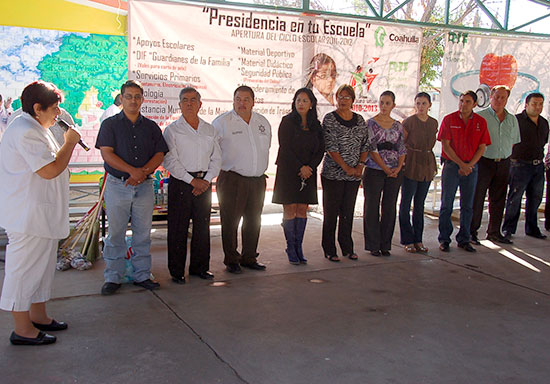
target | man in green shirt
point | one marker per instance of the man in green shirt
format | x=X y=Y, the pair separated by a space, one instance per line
x=494 y=165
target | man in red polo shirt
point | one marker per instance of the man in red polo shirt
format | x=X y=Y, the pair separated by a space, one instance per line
x=464 y=136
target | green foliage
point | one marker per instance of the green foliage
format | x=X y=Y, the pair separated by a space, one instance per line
x=431 y=58
x=99 y=61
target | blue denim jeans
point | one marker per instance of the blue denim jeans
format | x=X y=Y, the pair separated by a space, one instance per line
x=450 y=182
x=122 y=203
x=528 y=179
x=418 y=190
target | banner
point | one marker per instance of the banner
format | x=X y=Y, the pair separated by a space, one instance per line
x=172 y=45
x=478 y=63
x=216 y=49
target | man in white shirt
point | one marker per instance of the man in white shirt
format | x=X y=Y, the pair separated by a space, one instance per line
x=193 y=161
x=245 y=138
x=113 y=109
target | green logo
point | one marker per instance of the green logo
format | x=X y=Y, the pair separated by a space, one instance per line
x=379 y=36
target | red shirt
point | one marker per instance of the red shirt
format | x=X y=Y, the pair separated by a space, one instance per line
x=465 y=139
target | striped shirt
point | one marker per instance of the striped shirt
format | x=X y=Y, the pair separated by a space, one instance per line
x=347 y=137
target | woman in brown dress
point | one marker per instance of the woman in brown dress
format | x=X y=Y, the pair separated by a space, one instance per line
x=420 y=168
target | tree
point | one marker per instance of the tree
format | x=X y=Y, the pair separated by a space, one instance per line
x=100 y=61
x=428 y=11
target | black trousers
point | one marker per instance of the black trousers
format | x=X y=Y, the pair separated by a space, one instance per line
x=547 y=203
x=338 y=205
x=240 y=197
x=493 y=176
x=183 y=207
x=378 y=225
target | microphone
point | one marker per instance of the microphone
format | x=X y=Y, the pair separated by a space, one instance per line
x=63 y=124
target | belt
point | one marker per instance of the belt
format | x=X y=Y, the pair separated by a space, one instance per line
x=264 y=176
x=124 y=178
x=497 y=160
x=531 y=162
x=198 y=175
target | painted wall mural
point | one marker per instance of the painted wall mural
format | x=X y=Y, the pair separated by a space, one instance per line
x=88 y=68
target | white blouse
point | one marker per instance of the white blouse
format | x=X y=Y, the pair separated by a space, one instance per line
x=30 y=204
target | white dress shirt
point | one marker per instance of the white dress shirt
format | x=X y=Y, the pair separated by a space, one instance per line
x=245 y=147
x=192 y=150
x=30 y=204
x=111 y=111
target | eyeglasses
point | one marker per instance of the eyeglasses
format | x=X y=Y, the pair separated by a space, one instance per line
x=326 y=75
x=344 y=98
x=135 y=97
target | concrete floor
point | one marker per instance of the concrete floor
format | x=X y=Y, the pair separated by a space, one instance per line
x=409 y=318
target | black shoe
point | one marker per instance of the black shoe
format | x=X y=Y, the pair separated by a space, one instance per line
x=507 y=235
x=499 y=239
x=385 y=253
x=147 y=284
x=41 y=339
x=178 y=280
x=375 y=253
x=537 y=235
x=467 y=247
x=352 y=256
x=255 y=266
x=333 y=258
x=204 y=275
x=475 y=241
x=52 y=327
x=444 y=247
x=234 y=268
x=109 y=288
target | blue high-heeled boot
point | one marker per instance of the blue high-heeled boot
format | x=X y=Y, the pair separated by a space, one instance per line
x=289 y=228
x=300 y=230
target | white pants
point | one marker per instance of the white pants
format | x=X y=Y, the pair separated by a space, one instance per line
x=29 y=272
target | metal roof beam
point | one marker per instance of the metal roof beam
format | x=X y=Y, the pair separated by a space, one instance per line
x=397 y=9
x=530 y=22
x=489 y=14
x=371 y=7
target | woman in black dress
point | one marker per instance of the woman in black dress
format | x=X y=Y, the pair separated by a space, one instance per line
x=301 y=149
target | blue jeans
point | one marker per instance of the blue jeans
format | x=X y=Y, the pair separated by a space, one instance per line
x=526 y=178
x=121 y=204
x=419 y=190
x=450 y=182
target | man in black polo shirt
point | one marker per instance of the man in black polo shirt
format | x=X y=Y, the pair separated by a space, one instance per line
x=527 y=169
x=132 y=147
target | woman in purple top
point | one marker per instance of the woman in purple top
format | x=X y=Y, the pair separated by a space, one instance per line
x=383 y=176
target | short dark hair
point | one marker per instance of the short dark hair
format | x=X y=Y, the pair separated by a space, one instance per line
x=534 y=94
x=118 y=100
x=390 y=94
x=244 y=88
x=470 y=93
x=41 y=92
x=346 y=88
x=131 y=84
x=423 y=94
x=189 y=90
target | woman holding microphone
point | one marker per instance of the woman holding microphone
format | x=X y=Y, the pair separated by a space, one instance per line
x=34 y=210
